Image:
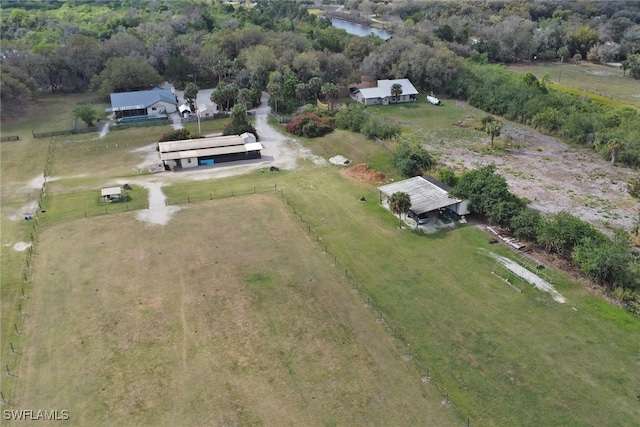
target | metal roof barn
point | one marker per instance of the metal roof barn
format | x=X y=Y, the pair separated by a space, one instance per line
x=425 y=196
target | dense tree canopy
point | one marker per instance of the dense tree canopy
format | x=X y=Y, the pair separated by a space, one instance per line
x=122 y=74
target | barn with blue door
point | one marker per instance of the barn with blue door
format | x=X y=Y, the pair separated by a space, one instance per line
x=191 y=153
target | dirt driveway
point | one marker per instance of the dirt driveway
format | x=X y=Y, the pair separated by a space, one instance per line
x=555 y=176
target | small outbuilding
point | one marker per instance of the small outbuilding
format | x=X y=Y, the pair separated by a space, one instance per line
x=205 y=110
x=430 y=198
x=111 y=194
x=184 y=110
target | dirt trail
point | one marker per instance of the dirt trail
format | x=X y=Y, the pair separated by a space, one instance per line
x=554 y=176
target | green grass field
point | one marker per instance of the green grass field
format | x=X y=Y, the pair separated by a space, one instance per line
x=605 y=84
x=234 y=314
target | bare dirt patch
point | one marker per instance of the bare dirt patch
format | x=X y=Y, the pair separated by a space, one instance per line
x=363 y=172
x=554 y=176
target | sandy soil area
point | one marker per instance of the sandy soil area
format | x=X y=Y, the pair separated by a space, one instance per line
x=554 y=176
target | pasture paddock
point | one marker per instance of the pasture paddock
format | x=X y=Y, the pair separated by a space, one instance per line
x=252 y=327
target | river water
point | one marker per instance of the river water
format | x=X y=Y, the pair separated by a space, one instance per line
x=359 y=29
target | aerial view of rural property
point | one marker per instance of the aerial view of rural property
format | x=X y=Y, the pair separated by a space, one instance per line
x=320 y=213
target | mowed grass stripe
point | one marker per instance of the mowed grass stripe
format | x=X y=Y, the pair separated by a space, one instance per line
x=227 y=314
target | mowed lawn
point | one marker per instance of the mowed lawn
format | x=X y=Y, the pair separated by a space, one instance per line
x=230 y=314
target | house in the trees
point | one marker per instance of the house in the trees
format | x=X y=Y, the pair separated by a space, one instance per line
x=382 y=94
x=154 y=103
x=191 y=153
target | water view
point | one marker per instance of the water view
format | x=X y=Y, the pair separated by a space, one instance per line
x=359 y=29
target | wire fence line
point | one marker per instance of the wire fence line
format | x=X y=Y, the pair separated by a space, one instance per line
x=395 y=330
x=25 y=282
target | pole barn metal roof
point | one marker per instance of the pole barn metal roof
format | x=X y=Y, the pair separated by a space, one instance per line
x=425 y=196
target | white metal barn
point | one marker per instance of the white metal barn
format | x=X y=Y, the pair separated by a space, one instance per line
x=191 y=153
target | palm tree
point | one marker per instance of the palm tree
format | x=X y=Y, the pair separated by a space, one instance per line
x=315 y=85
x=302 y=92
x=191 y=94
x=613 y=146
x=493 y=129
x=399 y=204
x=396 y=91
x=330 y=91
x=562 y=52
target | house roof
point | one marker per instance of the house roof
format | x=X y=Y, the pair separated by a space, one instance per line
x=213 y=146
x=384 y=88
x=213 y=151
x=425 y=196
x=140 y=99
x=110 y=191
x=440 y=184
x=211 y=142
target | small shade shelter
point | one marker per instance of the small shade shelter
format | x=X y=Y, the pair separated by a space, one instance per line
x=111 y=194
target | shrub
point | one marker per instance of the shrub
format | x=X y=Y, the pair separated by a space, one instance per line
x=562 y=232
x=524 y=225
x=488 y=194
x=310 y=125
x=176 y=135
x=375 y=127
x=448 y=177
x=239 y=122
x=352 y=117
x=633 y=187
x=607 y=262
x=411 y=159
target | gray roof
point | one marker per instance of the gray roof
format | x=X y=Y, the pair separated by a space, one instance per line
x=140 y=99
x=211 y=146
x=384 y=88
x=425 y=196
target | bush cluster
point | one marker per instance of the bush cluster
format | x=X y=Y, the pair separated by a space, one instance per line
x=176 y=135
x=356 y=118
x=310 y=125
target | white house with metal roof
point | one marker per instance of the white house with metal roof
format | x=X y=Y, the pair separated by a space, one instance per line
x=191 y=153
x=381 y=95
x=155 y=102
x=428 y=197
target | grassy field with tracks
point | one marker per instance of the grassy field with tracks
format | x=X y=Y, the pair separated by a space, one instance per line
x=298 y=306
